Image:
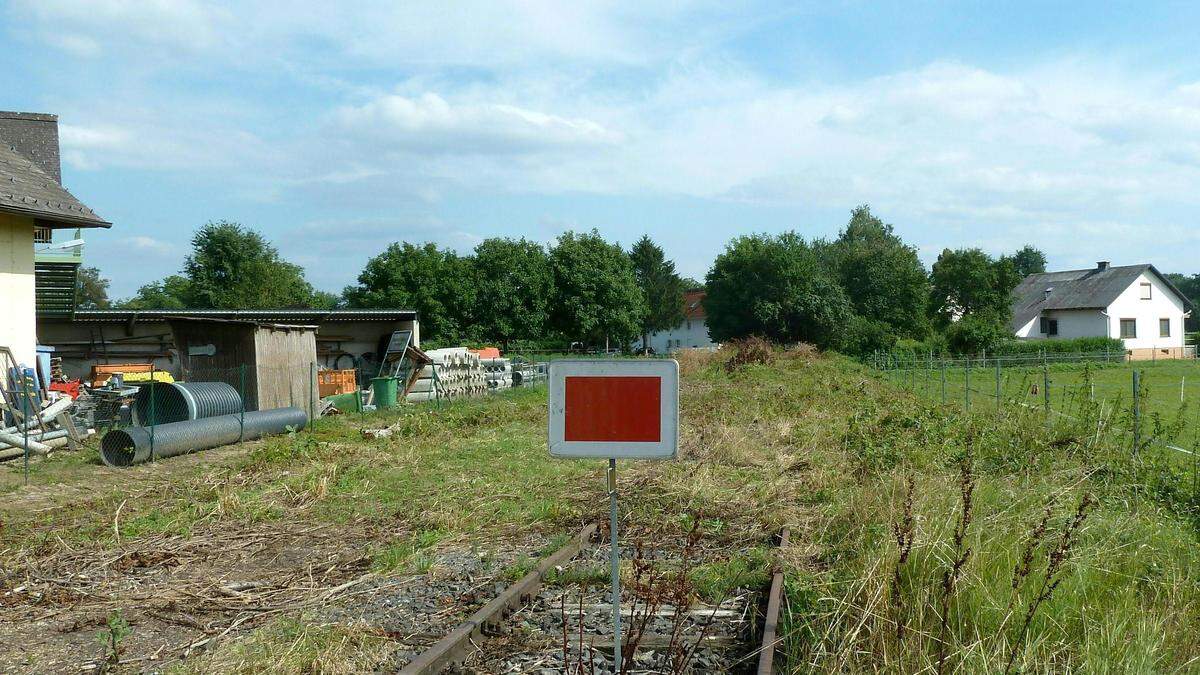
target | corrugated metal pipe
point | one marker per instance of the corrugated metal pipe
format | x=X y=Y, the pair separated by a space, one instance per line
x=182 y=401
x=126 y=447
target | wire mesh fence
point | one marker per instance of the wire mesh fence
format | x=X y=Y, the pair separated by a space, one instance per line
x=1151 y=403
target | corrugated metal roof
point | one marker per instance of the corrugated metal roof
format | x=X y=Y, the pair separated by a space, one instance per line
x=1094 y=288
x=258 y=315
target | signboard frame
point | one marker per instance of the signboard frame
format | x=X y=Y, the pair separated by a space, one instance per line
x=667 y=445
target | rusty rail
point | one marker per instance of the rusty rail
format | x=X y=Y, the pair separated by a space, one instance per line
x=457 y=643
x=766 y=655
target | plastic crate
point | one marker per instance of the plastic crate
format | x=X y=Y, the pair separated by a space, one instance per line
x=335 y=382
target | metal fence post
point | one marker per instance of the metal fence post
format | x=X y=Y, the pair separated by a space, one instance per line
x=967 y=382
x=312 y=403
x=153 y=410
x=998 y=395
x=242 y=393
x=25 y=413
x=1046 y=384
x=1137 y=411
x=943 y=381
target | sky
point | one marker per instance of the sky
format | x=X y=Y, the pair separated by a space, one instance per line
x=336 y=129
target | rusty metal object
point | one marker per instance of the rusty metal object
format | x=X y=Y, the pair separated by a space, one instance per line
x=766 y=656
x=455 y=646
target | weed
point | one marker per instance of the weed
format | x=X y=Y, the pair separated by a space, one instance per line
x=904 y=532
x=1051 y=578
x=110 y=639
x=966 y=488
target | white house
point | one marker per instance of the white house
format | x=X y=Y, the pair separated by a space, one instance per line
x=692 y=333
x=32 y=199
x=1133 y=303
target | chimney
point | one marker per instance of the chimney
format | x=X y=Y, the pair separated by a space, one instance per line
x=1102 y=265
x=1048 y=291
x=35 y=137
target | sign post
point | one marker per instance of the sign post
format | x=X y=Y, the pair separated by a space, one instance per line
x=611 y=410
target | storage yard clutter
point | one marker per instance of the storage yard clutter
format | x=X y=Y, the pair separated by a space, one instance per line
x=456 y=372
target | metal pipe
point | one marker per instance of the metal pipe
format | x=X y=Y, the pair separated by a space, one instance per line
x=17 y=441
x=126 y=447
x=167 y=402
x=17 y=453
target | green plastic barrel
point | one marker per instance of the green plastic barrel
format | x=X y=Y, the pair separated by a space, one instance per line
x=385 y=391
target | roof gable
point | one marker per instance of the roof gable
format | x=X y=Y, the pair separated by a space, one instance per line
x=1093 y=288
x=28 y=190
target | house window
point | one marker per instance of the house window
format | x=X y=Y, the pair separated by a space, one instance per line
x=43 y=235
x=1049 y=326
x=1164 y=328
x=1128 y=328
x=1147 y=290
x=689 y=324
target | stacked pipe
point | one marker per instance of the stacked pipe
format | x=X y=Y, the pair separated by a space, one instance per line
x=459 y=374
x=528 y=373
x=499 y=373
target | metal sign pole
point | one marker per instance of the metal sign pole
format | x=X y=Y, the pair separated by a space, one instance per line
x=615 y=557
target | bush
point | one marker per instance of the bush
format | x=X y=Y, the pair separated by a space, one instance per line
x=1086 y=345
x=975 y=333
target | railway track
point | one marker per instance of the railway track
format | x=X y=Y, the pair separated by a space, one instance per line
x=557 y=618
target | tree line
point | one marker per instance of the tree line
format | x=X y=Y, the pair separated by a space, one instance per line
x=862 y=291
x=582 y=288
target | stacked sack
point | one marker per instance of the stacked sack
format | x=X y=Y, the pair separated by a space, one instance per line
x=499 y=373
x=459 y=373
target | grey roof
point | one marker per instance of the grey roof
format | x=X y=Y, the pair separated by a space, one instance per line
x=1092 y=288
x=27 y=190
x=281 y=316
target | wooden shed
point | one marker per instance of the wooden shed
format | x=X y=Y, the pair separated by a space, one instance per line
x=277 y=361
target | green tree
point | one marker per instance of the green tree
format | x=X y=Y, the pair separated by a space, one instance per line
x=233 y=267
x=1190 y=288
x=91 y=289
x=779 y=288
x=514 y=289
x=969 y=281
x=596 y=295
x=1028 y=260
x=882 y=276
x=662 y=289
x=435 y=282
x=170 y=293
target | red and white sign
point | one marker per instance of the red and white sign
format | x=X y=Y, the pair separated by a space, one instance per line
x=620 y=408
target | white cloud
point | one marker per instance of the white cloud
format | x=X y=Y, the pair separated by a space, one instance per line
x=431 y=124
x=151 y=245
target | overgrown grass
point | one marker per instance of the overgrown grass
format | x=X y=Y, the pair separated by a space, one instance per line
x=819 y=444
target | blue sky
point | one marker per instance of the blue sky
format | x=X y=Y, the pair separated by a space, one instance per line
x=336 y=132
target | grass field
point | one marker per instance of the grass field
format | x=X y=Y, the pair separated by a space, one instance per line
x=903 y=512
x=1168 y=391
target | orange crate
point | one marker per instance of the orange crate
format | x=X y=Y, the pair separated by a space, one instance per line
x=334 y=382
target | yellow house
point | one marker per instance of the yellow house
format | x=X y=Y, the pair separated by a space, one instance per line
x=32 y=198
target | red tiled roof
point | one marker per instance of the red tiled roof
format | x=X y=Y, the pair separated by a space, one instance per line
x=692 y=304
